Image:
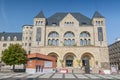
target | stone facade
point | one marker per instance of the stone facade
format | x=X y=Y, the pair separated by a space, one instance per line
x=68 y=37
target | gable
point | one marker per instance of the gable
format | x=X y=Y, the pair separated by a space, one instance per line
x=69 y=20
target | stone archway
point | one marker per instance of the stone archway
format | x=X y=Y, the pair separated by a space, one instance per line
x=90 y=57
x=69 y=59
x=87 y=61
x=53 y=54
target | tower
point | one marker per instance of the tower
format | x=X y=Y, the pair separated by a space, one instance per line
x=39 y=30
x=98 y=22
x=100 y=39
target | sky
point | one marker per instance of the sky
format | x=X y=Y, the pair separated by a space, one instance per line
x=16 y=13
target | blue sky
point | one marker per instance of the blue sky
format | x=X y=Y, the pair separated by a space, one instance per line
x=15 y=13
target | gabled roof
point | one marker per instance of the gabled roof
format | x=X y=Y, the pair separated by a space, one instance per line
x=40 y=15
x=11 y=35
x=57 y=17
x=97 y=15
x=82 y=19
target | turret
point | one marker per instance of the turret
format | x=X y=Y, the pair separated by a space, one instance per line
x=39 y=19
x=98 y=19
x=98 y=22
x=39 y=29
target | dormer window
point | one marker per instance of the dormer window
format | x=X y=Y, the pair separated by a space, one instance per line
x=2 y=38
x=8 y=38
x=54 y=24
x=15 y=38
x=84 y=23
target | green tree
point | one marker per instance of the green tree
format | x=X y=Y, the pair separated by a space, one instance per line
x=14 y=55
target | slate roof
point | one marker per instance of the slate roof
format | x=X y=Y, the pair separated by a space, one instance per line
x=97 y=15
x=40 y=15
x=57 y=17
x=11 y=35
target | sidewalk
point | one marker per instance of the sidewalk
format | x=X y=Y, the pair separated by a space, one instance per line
x=57 y=76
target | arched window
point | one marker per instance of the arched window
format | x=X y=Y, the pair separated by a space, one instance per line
x=54 y=42
x=49 y=42
x=85 y=38
x=73 y=42
x=2 y=38
x=53 y=34
x=65 y=42
x=85 y=42
x=69 y=38
x=69 y=42
x=53 y=39
x=69 y=34
x=88 y=42
x=81 y=42
x=57 y=42
x=39 y=23
x=85 y=34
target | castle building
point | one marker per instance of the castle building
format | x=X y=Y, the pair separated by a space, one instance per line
x=72 y=38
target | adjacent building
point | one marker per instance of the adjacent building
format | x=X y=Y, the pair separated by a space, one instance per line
x=72 y=38
x=114 y=54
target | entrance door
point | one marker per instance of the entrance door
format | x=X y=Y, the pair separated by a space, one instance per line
x=85 y=62
x=69 y=61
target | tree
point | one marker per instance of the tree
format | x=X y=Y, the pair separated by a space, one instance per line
x=14 y=55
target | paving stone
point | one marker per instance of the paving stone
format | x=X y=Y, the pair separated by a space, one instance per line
x=81 y=76
x=92 y=76
x=69 y=76
x=46 y=75
x=57 y=76
x=3 y=77
x=115 y=76
x=104 y=76
x=33 y=76
x=21 y=76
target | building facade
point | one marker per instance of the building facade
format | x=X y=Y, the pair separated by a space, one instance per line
x=72 y=38
x=114 y=54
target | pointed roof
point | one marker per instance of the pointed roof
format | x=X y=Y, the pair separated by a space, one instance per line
x=40 y=15
x=97 y=15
